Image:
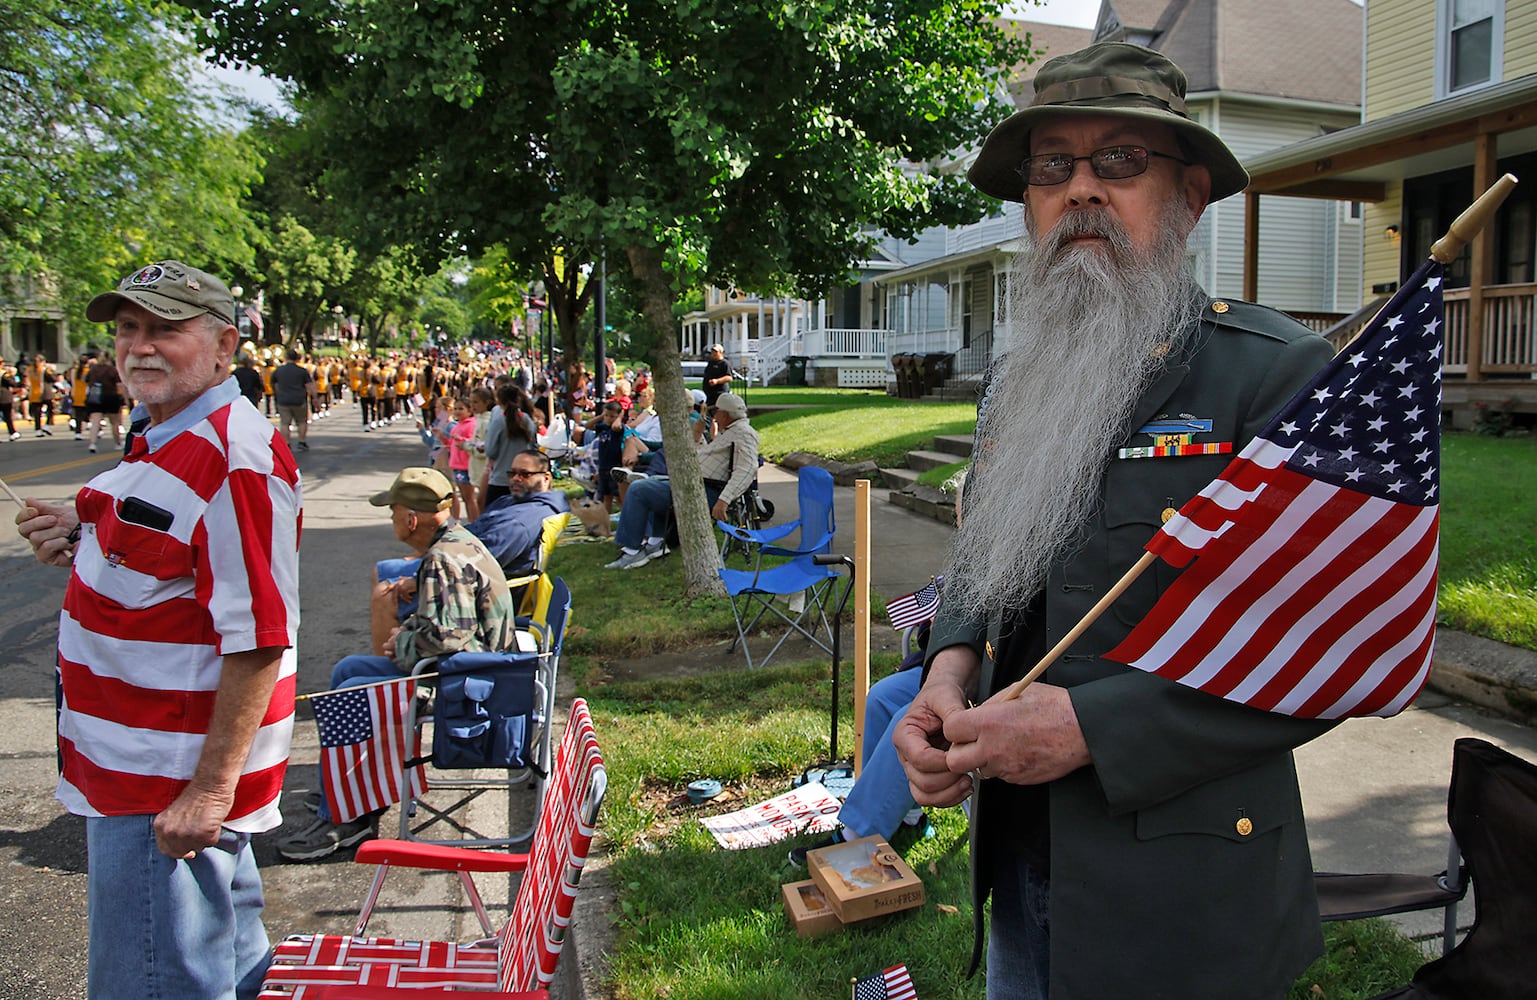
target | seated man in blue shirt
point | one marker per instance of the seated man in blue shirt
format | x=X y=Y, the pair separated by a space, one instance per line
x=511 y=529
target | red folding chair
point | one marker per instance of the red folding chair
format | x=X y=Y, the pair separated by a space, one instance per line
x=520 y=961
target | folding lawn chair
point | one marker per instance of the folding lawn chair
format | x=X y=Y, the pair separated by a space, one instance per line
x=491 y=712
x=1492 y=810
x=753 y=591
x=520 y=961
x=549 y=534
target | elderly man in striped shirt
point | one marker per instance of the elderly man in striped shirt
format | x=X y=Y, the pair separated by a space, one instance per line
x=177 y=650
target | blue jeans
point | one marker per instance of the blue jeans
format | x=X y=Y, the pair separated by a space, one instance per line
x=352 y=671
x=168 y=928
x=647 y=506
x=881 y=796
x=1019 y=942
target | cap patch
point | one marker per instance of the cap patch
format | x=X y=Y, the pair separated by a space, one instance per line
x=145 y=275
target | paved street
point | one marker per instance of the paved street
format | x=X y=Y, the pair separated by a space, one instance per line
x=1375 y=790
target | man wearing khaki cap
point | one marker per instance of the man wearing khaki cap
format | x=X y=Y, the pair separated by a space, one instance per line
x=1138 y=838
x=463 y=604
x=176 y=650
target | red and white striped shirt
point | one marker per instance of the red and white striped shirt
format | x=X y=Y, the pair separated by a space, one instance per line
x=188 y=551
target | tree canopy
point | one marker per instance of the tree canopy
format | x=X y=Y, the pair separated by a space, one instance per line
x=751 y=143
x=111 y=151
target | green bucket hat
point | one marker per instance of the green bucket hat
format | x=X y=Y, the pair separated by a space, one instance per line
x=170 y=290
x=417 y=488
x=1106 y=80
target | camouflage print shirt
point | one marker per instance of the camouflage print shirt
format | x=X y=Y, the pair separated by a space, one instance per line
x=463 y=601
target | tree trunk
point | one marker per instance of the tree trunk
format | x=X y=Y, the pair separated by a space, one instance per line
x=696 y=532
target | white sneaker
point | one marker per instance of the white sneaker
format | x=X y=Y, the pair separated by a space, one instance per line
x=630 y=560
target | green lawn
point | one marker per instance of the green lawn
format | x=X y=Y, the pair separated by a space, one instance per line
x=1488 y=583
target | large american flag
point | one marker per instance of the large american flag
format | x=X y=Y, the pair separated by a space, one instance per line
x=363 y=743
x=892 y=984
x=1313 y=587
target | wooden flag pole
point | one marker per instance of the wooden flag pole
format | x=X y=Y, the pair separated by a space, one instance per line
x=12 y=494
x=1467 y=225
x=1014 y=690
x=1472 y=220
x=861 y=585
x=365 y=687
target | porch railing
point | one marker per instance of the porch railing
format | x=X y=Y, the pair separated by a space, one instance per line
x=1510 y=334
x=836 y=342
x=769 y=359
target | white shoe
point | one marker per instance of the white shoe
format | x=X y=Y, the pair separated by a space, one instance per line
x=92 y=449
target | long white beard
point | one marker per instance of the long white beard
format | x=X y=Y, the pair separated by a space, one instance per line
x=1092 y=329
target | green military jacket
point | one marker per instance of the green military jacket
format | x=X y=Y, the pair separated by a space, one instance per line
x=1179 y=858
x=463 y=604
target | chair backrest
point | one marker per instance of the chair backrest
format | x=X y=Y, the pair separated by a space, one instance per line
x=549 y=534
x=557 y=613
x=529 y=946
x=815 y=494
x=535 y=602
x=1492 y=810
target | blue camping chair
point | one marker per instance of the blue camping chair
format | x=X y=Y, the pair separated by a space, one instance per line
x=492 y=713
x=753 y=591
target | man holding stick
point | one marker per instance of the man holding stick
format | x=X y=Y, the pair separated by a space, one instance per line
x=1139 y=838
x=176 y=651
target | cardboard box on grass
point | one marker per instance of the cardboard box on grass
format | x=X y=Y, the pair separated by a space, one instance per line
x=807 y=909
x=864 y=878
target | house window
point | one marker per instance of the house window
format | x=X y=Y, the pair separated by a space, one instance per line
x=1469 y=44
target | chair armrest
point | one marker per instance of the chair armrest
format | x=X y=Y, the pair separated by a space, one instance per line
x=806 y=549
x=759 y=536
x=522 y=581
x=410 y=854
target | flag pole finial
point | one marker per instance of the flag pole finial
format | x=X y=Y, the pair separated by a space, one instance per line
x=1472 y=220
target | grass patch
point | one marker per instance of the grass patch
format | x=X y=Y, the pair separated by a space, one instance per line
x=1361 y=959
x=937 y=478
x=881 y=429
x=1488 y=576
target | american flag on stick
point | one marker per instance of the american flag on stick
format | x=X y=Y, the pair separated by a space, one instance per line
x=363 y=743
x=1311 y=580
x=915 y=608
x=892 y=984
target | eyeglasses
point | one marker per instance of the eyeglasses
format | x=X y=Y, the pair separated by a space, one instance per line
x=1112 y=163
x=525 y=473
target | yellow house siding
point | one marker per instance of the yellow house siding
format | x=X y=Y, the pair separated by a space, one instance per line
x=1380 y=255
x=1400 y=55
x=1520 y=38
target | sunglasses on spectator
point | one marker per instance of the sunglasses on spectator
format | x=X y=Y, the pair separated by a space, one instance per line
x=526 y=473
x=1112 y=163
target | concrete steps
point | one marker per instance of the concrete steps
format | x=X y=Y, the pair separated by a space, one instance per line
x=923 y=461
x=899 y=479
x=958 y=445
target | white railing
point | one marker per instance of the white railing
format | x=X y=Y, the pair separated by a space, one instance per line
x=846 y=343
x=923 y=342
x=769 y=359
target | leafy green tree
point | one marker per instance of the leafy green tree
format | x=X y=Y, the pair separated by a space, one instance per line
x=302 y=272
x=112 y=148
x=383 y=293
x=741 y=142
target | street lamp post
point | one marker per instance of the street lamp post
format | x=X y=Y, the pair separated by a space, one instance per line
x=238 y=293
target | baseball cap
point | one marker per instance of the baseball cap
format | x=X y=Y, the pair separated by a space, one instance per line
x=417 y=488
x=717 y=347
x=169 y=289
x=731 y=405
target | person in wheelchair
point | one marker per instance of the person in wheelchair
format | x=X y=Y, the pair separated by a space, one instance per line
x=729 y=464
x=463 y=604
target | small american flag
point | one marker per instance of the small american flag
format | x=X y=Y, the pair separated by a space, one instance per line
x=892 y=984
x=915 y=608
x=255 y=316
x=1313 y=587
x=363 y=745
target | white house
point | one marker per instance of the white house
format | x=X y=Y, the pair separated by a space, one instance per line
x=941 y=295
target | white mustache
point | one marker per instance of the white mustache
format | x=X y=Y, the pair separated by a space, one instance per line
x=132 y=364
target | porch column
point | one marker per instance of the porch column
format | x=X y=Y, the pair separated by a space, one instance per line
x=1251 y=245
x=1485 y=162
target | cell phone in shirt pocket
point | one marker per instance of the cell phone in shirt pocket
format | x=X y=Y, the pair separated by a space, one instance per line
x=145 y=514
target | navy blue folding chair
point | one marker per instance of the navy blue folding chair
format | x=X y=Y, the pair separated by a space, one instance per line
x=753 y=592
x=492 y=713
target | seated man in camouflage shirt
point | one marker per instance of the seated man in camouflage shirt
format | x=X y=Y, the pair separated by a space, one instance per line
x=462 y=604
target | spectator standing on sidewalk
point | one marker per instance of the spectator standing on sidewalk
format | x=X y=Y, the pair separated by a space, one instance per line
x=176 y=651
